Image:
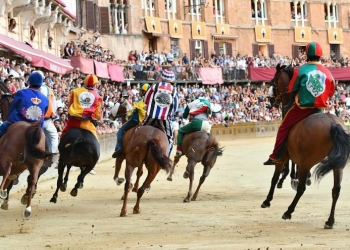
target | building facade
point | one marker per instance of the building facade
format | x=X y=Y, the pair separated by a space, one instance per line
x=43 y=24
x=245 y=27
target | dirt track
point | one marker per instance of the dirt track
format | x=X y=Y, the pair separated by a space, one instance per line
x=226 y=215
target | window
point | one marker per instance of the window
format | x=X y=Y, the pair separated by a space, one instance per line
x=335 y=51
x=259 y=11
x=222 y=48
x=199 y=47
x=331 y=12
x=148 y=5
x=119 y=24
x=170 y=8
x=218 y=8
x=298 y=11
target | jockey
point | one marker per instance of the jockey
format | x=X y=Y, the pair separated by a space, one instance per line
x=137 y=115
x=50 y=115
x=28 y=105
x=84 y=106
x=162 y=102
x=312 y=84
x=199 y=109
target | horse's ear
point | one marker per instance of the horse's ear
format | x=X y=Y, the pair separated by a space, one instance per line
x=278 y=67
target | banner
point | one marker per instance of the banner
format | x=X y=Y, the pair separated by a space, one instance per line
x=223 y=29
x=175 y=28
x=210 y=75
x=199 y=31
x=263 y=33
x=116 y=72
x=302 y=34
x=335 y=36
x=153 y=24
x=101 y=69
x=85 y=65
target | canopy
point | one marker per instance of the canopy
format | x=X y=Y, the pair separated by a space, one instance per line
x=37 y=58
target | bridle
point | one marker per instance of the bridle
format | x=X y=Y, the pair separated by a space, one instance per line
x=276 y=93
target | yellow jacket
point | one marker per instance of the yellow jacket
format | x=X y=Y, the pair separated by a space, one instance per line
x=138 y=111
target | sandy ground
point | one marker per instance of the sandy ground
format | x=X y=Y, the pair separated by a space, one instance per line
x=226 y=215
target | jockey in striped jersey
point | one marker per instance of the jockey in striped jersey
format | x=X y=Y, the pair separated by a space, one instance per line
x=162 y=102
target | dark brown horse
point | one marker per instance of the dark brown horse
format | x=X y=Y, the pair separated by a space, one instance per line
x=198 y=147
x=147 y=145
x=80 y=148
x=318 y=139
x=21 y=148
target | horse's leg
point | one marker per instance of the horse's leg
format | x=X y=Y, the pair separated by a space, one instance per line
x=80 y=180
x=294 y=176
x=138 y=176
x=285 y=173
x=34 y=171
x=42 y=170
x=3 y=193
x=5 y=204
x=338 y=176
x=128 y=172
x=172 y=170
x=146 y=184
x=302 y=175
x=189 y=173
x=118 y=165
x=60 y=169
x=205 y=174
x=63 y=186
x=274 y=180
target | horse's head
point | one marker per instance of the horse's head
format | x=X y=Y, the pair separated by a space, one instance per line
x=212 y=152
x=278 y=91
x=120 y=109
x=5 y=102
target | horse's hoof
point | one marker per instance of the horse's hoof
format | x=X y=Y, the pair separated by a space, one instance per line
x=193 y=198
x=119 y=181
x=27 y=213
x=294 y=183
x=136 y=211
x=279 y=185
x=15 y=182
x=81 y=186
x=286 y=216
x=186 y=200
x=24 y=199
x=326 y=226
x=3 y=194
x=63 y=187
x=169 y=179
x=53 y=200
x=308 y=182
x=123 y=214
x=134 y=190
x=186 y=174
x=74 y=192
x=148 y=189
x=5 y=206
x=265 y=204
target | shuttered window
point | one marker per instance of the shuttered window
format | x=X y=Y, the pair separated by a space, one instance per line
x=271 y=50
x=229 y=49
x=104 y=20
x=255 y=49
x=90 y=16
x=206 y=50
x=295 y=51
x=78 y=20
x=192 y=49
x=217 y=48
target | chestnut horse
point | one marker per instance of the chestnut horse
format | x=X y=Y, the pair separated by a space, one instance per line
x=198 y=147
x=80 y=148
x=147 y=145
x=21 y=148
x=318 y=139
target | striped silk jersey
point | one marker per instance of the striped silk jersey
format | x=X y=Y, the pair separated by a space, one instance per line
x=161 y=100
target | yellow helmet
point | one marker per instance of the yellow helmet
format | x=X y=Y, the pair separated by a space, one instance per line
x=90 y=80
x=145 y=87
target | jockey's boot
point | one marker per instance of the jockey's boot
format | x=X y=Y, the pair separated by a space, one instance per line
x=271 y=162
x=117 y=152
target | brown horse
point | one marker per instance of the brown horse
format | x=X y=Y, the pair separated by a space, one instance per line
x=318 y=139
x=198 y=147
x=147 y=145
x=21 y=148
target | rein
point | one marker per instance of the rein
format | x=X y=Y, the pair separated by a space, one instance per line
x=278 y=95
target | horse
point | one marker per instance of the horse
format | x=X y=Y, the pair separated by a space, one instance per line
x=120 y=109
x=318 y=139
x=78 y=147
x=148 y=145
x=198 y=147
x=21 y=148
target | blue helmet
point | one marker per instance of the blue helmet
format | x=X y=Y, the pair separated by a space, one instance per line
x=35 y=79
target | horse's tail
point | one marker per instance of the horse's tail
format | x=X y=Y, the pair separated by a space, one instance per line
x=212 y=148
x=156 y=151
x=339 y=154
x=33 y=137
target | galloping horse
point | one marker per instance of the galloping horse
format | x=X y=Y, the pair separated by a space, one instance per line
x=198 y=147
x=147 y=145
x=21 y=148
x=78 y=147
x=319 y=138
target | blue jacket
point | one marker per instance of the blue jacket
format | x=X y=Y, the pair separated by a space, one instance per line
x=29 y=105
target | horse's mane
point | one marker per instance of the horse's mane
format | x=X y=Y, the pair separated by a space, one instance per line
x=288 y=69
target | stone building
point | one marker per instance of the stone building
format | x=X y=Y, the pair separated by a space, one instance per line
x=247 y=27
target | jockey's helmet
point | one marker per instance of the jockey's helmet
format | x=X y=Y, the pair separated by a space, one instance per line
x=145 y=87
x=168 y=76
x=314 y=49
x=35 y=79
x=90 y=80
